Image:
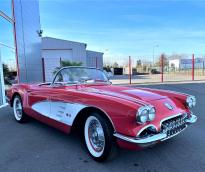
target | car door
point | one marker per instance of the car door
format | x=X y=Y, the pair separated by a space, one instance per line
x=39 y=100
x=59 y=102
x=63 y=109
x=60 y=99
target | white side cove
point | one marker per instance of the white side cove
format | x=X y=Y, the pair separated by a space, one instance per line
x=59 y=111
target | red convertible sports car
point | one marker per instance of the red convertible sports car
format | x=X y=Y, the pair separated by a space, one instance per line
x=108 y=115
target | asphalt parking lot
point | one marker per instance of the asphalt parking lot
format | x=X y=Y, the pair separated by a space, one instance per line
x=36 y=147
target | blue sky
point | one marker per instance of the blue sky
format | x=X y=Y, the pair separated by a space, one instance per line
x=128 y=27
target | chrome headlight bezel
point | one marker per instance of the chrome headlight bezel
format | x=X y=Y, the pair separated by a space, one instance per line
x=152 y=113
x=191 y=101
x=145 y=114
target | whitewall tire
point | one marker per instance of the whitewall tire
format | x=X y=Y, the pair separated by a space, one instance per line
x=98 y=135
x=19 y=114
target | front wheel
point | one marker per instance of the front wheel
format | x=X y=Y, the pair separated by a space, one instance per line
x=98 y=135
x=19 y=114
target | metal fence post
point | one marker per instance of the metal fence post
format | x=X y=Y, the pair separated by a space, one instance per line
x=43 y=69
x=162 y=68
x=60 y=62
x=130 y=77
x=193 y=69
x=96 y=62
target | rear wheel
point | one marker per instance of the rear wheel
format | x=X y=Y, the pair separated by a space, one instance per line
x=98 y=136
x=19 y=114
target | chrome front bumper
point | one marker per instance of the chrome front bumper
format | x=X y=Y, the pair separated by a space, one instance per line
x=156 y=137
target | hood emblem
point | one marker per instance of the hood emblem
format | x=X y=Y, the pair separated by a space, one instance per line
x=170 y=107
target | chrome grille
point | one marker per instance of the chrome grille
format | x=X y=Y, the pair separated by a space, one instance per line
x=174 y=125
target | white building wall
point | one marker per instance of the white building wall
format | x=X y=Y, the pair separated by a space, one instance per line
x=50 y=66
x=63 y=54
x=175 y=63
x=27 y=23
x=54 y=50
x=78 y=49
x=52 y=60
x=94 y=59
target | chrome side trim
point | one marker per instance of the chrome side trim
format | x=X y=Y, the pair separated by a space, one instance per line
x=144 y=128
x=146 y=140
x=191 y=120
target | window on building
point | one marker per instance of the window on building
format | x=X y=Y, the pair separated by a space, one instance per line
x=6 y=7
x=8 y=66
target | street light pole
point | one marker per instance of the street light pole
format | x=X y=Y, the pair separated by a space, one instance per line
x=155 y=46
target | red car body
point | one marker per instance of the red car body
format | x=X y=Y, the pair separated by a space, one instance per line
x=60 y=106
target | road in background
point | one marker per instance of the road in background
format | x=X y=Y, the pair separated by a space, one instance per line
x=35 y=147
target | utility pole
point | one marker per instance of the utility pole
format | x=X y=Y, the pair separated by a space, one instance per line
x=155 y=46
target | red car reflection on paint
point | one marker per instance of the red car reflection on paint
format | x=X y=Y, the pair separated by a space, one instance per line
x=84 y=98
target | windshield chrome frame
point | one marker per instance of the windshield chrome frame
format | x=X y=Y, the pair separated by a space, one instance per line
x=68 y=67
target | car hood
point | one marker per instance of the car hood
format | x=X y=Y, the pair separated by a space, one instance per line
x=128 y=93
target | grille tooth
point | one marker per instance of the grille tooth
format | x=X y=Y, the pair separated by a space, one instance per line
x=174 y=125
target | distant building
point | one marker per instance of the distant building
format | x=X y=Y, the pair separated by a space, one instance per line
x=174 y=63
x=94 y=59
x=54 y=50
x=177 y=64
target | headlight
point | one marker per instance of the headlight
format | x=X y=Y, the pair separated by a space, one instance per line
x=145 y=113
x=142 y=115
x=191 y=101
x=152 y=114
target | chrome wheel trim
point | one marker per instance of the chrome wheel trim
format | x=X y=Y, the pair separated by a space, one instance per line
x=94 y=136
x=18 y=109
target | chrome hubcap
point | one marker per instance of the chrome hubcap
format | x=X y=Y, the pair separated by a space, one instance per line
x=18 y=108
x=96 y=135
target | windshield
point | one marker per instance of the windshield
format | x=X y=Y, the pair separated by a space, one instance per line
x=74 y=75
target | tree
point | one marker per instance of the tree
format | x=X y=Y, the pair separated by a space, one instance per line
x=139 y=63
x=7 y=74
x=107 y=68
x=5 y=69
x=65 y=63
x=115 y=65
x=165 y=60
